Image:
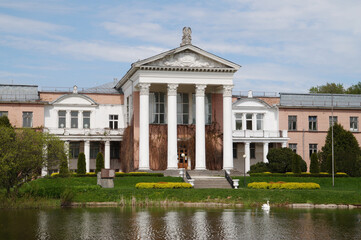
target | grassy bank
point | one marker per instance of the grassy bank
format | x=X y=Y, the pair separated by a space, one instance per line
x=48 y=192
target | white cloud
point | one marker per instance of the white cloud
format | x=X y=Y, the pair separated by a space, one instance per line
x=11 y=24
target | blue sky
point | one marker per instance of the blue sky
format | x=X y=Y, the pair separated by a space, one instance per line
x=282 y=46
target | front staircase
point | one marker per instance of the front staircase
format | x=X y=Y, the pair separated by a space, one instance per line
x=211 y=182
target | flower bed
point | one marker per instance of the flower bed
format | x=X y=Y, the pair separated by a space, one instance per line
x=291 y=174
x=162 y=185
x=117 y=174
x=283 y=185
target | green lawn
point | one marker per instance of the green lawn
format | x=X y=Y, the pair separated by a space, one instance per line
x=346 y=191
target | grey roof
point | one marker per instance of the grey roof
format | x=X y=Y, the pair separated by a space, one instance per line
x=320 y=100
x=108 y=88
x=18 y=93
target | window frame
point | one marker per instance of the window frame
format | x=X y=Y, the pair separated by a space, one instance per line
x=335 y=120
x=63 y=118
x=182 y=114
x=4 y=113
x=292 y=123
x=74 y=119
x=312 y=148
x=156 y=115
x=260 y=120
x=312 y=123
x=293 y=147
x=113 y=121
x=249 y=120
x=86 y=118
x=74 y=146
x=238 y=120
x=353 y=123
x=27 y=119
x=94 y=149
x=252 y=150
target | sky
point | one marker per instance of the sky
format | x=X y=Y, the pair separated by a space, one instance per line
x=282 y=46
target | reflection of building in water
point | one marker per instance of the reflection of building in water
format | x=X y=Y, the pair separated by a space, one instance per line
x=172 y=224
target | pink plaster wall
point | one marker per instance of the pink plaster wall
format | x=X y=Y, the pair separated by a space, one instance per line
x=15 y=113
x=306 y=137
x=97 y=97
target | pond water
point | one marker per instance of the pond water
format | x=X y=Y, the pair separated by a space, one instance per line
x=180 y=223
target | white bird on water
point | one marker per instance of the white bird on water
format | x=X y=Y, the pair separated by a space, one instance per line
x=266 y=206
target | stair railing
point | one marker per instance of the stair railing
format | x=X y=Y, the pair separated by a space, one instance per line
x=188 y=178
x=233 y=182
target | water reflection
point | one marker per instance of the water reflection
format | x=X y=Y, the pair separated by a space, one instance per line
x=181 y=223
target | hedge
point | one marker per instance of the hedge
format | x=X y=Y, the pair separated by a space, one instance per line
x=283 y=185
x=291 y=174
x=161 y=185
x=117 y=174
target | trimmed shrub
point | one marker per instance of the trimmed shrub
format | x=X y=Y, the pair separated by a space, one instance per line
x=163 y=185
x=81 y=164
x=64 y=168
x=280 y=160
x=303 y=174
x=283 y=185
x=314 y=166
x=259 y=167
x=99 y=162
x=296 y=164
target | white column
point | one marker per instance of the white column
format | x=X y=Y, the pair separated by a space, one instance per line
x=107 y=155
x=144 y=126
x=172 y=127
x=254 y=121
x=244 y=122
x=200 y=128
x=265 y=152
x=248 y=156
x=67 y=119
x=227 y=128
x=284 y=144
x=80 y=120
x=87 y=155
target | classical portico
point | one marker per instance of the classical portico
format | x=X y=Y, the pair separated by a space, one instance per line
x=184 y=86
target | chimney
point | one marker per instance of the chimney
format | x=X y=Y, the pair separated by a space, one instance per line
x=75 y=89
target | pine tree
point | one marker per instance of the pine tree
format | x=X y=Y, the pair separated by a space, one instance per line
x=64 y=169
x=314 y=166
x=99 y=162
x=296 y=164
x=81 y=164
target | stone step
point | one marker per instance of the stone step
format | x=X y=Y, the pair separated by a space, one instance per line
x=211 y=183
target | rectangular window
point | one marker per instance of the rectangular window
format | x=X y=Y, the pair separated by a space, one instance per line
x=74 y=119
x=86 y=119
x=238 y=117
x=182 y=108
x=62 y=119
x=334 y=120
x=3 y=113
x=260 y=121
x=312 y=123
x=114 y=150
x=252 y=150
x=293 y=147
x=113 y=121
x=249 y=121
x=313 y=148
x=74 y=148
x=292 y=123
x=157 y=108
x=234 y=150
x=208 y=108
x=354 y=124
x=27 y=119
x=94 y=149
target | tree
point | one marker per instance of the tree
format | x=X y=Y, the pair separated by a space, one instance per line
x=346 y=152
x=64 y=168
x=4 y=122
x=354 y=89
x=314 y=166
x=296 y=163
x=328 y=88
x=99 y=162
x=81 y=164
x=280 y=160
x=21 y=156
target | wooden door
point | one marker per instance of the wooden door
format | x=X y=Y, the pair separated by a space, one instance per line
x=182 y=157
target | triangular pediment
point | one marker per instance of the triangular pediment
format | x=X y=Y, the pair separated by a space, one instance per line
x=74 y=99
x=187 y=58
x=245 y=103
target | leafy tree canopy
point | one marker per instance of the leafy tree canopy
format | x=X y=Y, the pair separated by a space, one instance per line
x=336 y=88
